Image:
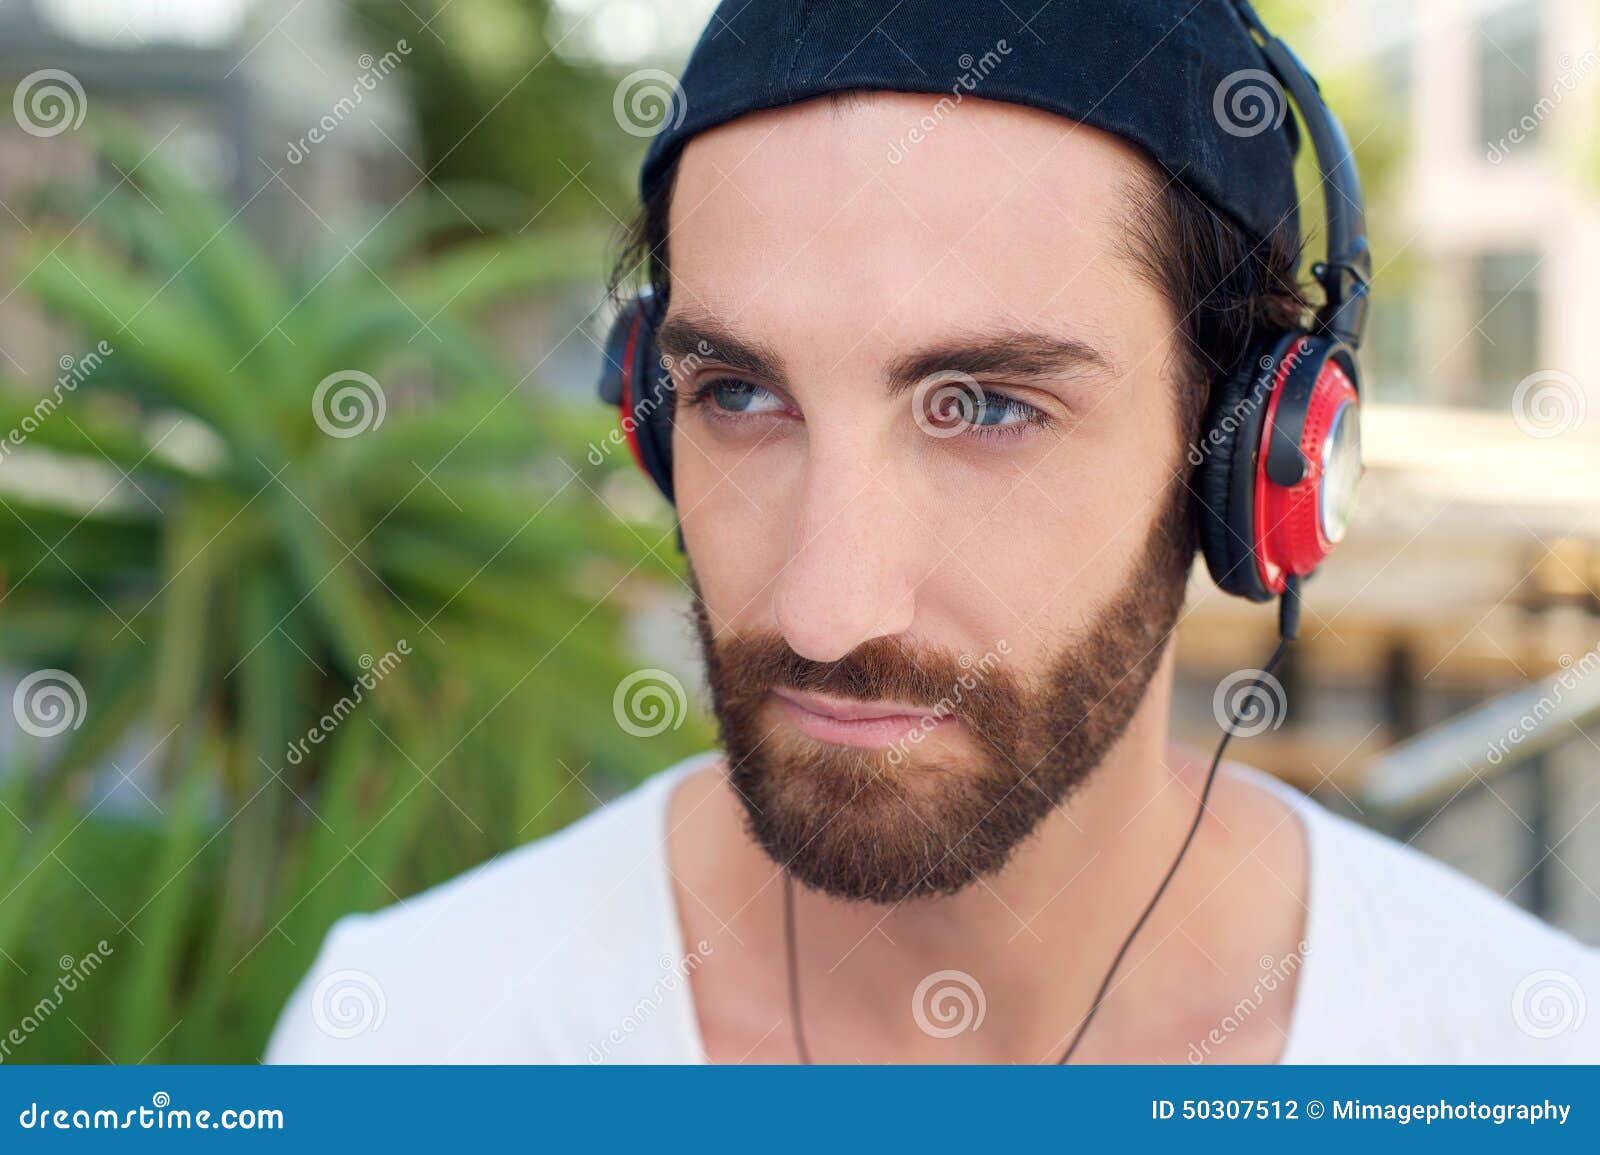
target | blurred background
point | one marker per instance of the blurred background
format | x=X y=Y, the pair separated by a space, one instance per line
x=324 y=578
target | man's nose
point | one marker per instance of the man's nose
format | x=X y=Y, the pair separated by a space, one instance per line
x=849 y=575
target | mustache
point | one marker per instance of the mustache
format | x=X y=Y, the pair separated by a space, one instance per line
x=745 y=668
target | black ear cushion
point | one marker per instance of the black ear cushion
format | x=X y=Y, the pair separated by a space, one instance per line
x=1224 y=480
x=653 y=400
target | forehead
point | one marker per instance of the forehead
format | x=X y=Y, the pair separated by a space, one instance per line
x=906 y=213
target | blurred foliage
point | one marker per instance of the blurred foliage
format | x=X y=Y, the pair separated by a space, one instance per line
x=495 y=102
x=222 y=573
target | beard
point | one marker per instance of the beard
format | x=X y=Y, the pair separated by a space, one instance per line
x=888 y=825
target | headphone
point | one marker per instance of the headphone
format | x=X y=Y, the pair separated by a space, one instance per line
x=1279 y=459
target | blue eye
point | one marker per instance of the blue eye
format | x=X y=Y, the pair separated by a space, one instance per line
x=734 y=396
x=997 y=411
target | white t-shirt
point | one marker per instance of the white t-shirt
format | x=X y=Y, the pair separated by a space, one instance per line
x=569 y=950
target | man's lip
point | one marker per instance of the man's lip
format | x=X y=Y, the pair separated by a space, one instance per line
x=847 y=722
x=853 y=710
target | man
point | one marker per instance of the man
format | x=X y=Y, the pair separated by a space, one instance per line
x=939 y=366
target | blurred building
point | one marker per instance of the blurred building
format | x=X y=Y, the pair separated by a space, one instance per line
x=228 y=90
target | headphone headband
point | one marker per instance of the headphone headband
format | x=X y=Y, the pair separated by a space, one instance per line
x=1347 y=272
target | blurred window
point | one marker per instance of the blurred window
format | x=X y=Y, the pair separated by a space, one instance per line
x=1507 y=70
x=1506 y=308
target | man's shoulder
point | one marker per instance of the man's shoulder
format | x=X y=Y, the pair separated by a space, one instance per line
x=476 y=968
x=1410 y=960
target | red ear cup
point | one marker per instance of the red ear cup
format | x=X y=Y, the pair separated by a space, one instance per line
x=626 y=403
x=1278 y=462
x=1299 y=521
x=634 y=380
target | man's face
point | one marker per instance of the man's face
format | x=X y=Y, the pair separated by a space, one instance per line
x=929 y=474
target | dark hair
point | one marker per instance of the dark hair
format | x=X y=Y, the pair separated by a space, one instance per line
x=1224 y=288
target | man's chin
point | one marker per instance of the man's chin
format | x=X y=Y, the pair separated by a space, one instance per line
x=874 y=824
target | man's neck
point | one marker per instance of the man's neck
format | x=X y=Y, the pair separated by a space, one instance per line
x=1030 y=945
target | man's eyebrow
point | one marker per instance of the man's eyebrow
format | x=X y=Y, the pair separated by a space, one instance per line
x=1017 y=353
x=686 y=338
